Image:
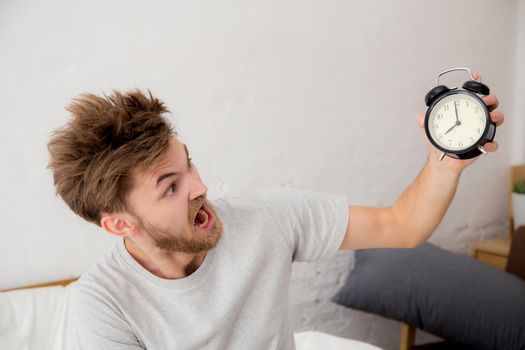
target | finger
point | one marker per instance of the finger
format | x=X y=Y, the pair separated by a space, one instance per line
x=420 y=119
x=497 y=117
x=475 y=76
x=491 y=101
x=491 y=146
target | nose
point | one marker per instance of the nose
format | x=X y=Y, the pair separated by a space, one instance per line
x=198 y=188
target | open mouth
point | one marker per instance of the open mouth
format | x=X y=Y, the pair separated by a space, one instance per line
x=204 y=218
x=201 y=219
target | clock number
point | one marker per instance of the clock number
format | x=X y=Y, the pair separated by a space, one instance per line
x=440 y=116
x=479 y=131
x=435 y=126
x=467 y=103
x=447 y=108
x=440 y=136
x=460 y=144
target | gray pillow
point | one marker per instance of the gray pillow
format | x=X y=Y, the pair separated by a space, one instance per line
x=447 y=294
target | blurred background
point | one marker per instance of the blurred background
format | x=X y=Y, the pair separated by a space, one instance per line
x=317 y=95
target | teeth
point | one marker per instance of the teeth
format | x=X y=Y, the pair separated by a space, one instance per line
x=205 y=221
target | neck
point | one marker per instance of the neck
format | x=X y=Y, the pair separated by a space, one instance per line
x=167 y=265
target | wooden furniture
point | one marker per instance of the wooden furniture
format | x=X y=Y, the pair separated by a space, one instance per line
x=494 y=252
x=516 y=261
x=408 y=336
x=47 y=284
x=517 y=172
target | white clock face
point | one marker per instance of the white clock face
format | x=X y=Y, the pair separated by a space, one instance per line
x=457 y=121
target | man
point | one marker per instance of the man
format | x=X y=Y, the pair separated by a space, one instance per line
x=189 y=274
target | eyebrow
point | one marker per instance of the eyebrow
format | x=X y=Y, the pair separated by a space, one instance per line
x=170 y=174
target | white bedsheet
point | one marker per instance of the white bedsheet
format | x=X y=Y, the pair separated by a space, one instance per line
x=323 y=341
x=36 y=319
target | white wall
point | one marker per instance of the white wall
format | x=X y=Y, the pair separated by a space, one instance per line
x=319 y=95
x=518 y=136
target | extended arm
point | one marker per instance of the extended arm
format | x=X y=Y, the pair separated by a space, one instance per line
x=420 y=208
x=411 y=219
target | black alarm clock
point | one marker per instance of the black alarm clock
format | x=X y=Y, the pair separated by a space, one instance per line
x=457 y=121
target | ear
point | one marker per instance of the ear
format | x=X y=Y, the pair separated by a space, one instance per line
x=119 y=224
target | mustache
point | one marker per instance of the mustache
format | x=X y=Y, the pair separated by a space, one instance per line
x=194 y=207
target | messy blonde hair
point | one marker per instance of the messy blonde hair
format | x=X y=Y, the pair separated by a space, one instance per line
x=93 y=155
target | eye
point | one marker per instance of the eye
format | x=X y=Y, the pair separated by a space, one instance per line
x=171 y=190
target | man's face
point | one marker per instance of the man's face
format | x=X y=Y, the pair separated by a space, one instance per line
x=170 y=206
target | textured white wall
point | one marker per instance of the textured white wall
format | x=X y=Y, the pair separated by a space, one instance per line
x=307 y=94
x=518 y=136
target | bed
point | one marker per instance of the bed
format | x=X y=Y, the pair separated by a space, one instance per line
x=36 y=317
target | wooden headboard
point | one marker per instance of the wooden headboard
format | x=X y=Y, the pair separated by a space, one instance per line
x=47 y=284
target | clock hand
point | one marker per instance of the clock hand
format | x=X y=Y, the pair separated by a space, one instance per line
x=457 y=123
x=453 y=126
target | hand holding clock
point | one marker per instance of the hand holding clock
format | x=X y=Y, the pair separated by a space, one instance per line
x=450 y=163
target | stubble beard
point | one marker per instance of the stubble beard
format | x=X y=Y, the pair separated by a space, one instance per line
x=179 y=240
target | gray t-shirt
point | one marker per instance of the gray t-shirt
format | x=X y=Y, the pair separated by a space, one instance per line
x=237 y=298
